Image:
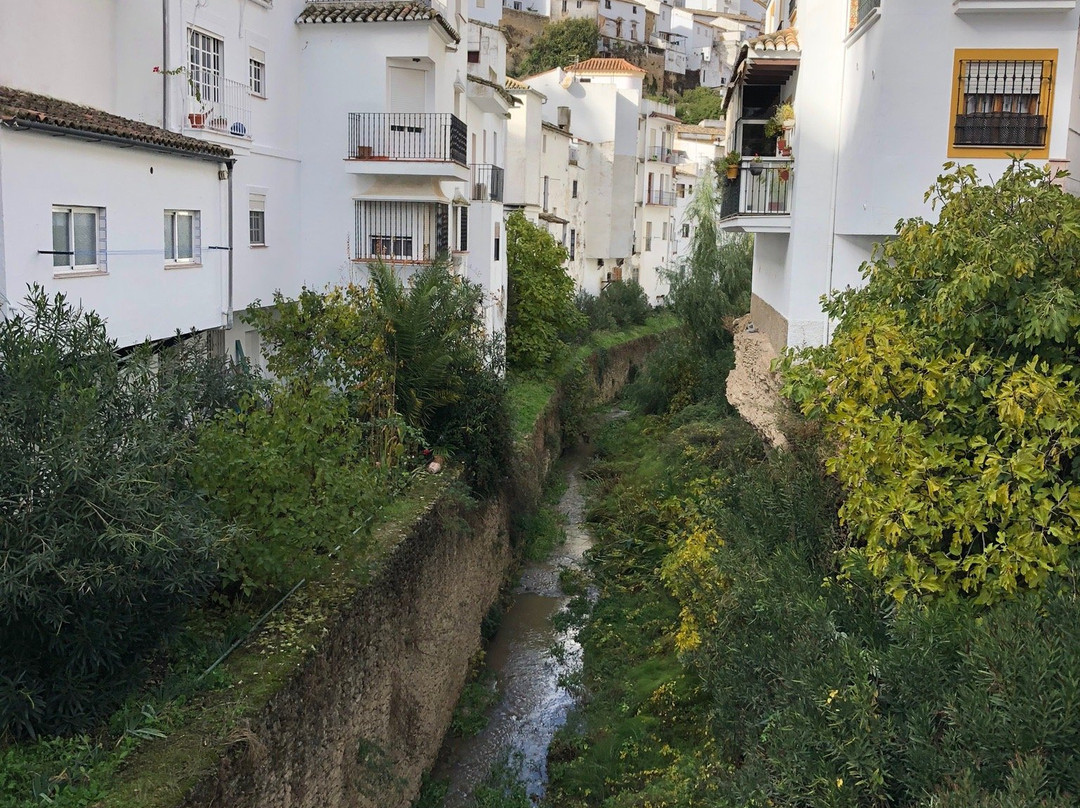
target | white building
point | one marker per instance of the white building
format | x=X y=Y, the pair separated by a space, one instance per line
x=873 y=126
x=288 y=143
x=603 y=99
x=702 y=145
x=655 y=224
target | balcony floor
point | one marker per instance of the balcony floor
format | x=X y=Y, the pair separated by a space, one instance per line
x=757 y=223
x=442 y=169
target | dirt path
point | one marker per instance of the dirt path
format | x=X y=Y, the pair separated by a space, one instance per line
x=752 y=388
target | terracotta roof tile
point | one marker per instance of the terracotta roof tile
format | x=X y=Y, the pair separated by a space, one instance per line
x=514 y=84
x=697 y=129
x=30 y=108
x=374 y=12
x=786 y=39
x=606 y=66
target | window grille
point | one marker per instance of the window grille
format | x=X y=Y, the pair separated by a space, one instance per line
x=1002 y=103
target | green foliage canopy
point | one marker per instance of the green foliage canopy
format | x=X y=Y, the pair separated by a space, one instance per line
x=560 y=44
x=699 y=104
x=541 y=295
x=950 y=391
x=103 y=541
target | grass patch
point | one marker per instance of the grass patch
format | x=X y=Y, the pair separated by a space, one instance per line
x=166 y=736
x=477 y=698
x=529 y=395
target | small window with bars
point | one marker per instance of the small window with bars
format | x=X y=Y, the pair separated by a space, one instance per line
x=257 y=220
x=1002 y=104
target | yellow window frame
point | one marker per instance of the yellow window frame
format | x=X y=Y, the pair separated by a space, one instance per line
x=1046 y=98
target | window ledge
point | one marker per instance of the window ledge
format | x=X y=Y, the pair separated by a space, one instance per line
x=865 y=24
x=185 y=265
x=978 y=6
x=258 y=246
x=87 y=272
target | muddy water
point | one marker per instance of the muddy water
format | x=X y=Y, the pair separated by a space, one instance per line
x=533 y=704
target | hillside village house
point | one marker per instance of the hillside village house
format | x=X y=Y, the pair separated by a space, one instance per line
x=873 y=126
x=213 y=152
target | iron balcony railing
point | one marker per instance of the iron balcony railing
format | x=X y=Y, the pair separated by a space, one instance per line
x=759 y=189
x=401 y=232
x=659 y=198
x=487 y=183
x=423 y=136
x=218 y=104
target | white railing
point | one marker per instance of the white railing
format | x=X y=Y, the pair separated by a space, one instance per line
x=220 y=105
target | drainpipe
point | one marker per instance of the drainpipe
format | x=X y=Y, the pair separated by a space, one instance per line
x=229 y=304
x=164 y=64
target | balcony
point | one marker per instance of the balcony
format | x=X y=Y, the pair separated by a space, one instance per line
x=218 y=104
x=665 y=155
x=759 y=198
x=401 y=232
x=404 y=143
x=860 y=10
x=666 y=198
x=487 y=183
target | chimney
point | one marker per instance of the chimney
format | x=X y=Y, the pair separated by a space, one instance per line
x=564 y=118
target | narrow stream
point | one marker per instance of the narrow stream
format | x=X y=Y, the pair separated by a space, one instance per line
x=533 y=704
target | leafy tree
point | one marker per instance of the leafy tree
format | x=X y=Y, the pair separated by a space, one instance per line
x=541 y=295
x=560 y=44
x=951 y=391
x=713 y=285
x=449 y=380
x=104 y=541
x=699 y=104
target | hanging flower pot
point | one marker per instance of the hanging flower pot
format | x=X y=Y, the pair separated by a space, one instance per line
x=756 y=166
x=732 y=171
x=784 y=174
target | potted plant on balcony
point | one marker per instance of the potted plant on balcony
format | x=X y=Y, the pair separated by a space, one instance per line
x=731 y=164
x=782 y=120
x=756 y=166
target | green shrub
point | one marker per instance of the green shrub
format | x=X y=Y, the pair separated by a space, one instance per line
x=295 y=475
x=625 y=302
x=105 y=543
x=541 y=296
x=960 y=355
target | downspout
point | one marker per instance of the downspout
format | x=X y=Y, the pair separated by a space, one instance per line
x=835 y=185
x=229 y=303
x=164 y=64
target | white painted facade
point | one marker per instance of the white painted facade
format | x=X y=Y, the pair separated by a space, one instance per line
x=655 y=225
x=285 y=97
x=622 y=19
x=873 y=127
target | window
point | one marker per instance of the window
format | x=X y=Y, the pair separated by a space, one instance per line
x=546 y=192
x=204 y=66
x=648 y=236
x=607 y=3
x=633 y=9
x=564 y=6
x=858 y=11
x=78 y=238
x=1001 y=102
x=498 y=234
x=573 y=189
x=257 y=73
x=680 y=191
x=686 y=231
x=392 y=246
x=573 y=242
x=474 y=57
x=257 y=220
x=182 y=236
x=463 y=228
